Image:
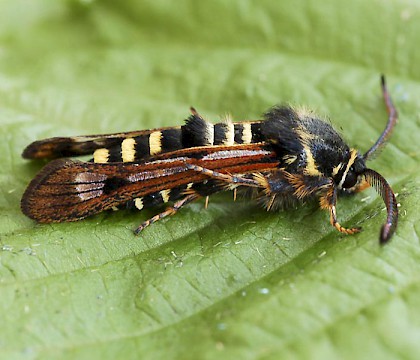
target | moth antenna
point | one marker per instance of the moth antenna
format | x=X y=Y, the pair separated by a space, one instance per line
x=382 y=187
x=392 y=120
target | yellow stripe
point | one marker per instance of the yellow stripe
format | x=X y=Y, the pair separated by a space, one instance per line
x=128 y=151
x=246 y=133
x=138 y=203
x=353 y=156
x=189 y=186
x=165 y=195
x=230 y=134
x=310 y=168
x=155 y=143
x=289 y=159
x=337 y=169
x=209 y=134
x=101 y=156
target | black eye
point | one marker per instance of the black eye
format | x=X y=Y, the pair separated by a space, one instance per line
x=351 y=179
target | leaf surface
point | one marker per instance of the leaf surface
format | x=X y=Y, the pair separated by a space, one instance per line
x=232 y=281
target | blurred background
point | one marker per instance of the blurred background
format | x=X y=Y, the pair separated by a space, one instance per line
x=222 y=282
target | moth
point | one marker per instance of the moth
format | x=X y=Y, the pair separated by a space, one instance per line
x=289 y=157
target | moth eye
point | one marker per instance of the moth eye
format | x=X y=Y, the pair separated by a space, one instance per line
x=351 y=179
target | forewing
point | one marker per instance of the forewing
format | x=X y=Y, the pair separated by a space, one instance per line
x=69 y=190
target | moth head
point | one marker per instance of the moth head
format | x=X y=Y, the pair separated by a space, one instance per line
x=349 y=174
x=350 y=179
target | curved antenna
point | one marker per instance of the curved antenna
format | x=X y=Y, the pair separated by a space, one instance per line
x=392 y=120
x=382 y=187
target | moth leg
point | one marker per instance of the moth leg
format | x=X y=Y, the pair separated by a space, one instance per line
x=236 y=180
x=328 y=201
x=168 y=212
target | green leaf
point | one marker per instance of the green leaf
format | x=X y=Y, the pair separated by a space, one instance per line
x=232 y=281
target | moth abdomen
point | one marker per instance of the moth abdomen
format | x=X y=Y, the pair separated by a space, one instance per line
x=196 y=132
